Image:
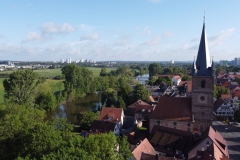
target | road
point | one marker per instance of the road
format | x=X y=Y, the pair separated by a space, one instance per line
x=231 y=133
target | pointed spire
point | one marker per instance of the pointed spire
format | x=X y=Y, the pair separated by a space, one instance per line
x=203 y=61
x=203 y=58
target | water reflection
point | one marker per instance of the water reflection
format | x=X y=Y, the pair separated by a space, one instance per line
x=142 y=78
x=70 y=110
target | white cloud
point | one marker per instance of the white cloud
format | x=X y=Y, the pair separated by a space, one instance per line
x=154 y=41
x=54 y=28
x=86 y=27
x=93 y=36
x=8 y=50
x=220 y=37
x=33 y=37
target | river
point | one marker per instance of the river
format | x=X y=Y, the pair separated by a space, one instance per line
x=142 y=78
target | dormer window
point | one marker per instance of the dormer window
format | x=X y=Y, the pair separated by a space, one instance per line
x=203 y=83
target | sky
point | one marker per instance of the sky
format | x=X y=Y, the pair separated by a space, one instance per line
x=117 y=30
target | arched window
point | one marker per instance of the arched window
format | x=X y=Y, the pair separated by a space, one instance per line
x=203 y=83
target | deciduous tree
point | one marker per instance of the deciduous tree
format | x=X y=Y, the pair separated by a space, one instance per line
x=20 y=87
x=141 y=92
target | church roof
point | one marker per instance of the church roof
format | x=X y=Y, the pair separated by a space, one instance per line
x=203 y=57
x=172 y=108
x=203 y=65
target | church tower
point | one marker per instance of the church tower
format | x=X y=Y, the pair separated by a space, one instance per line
x=203 y=73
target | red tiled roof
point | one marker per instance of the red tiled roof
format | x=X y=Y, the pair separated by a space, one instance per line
x=237 y=94
x=176 y=77
x=224 y=96
x=112 y=114
x=143 y=147
x=218 y=141
x=172 y=107
x=139 y=102
x=102 y=126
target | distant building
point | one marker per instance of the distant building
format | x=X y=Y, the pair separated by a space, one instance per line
x=172 y=61
x=237 y=61
x=68 y=60
x=62 y=61
x=82 y=60
x=224 y=62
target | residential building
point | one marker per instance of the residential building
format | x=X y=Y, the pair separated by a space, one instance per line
x=112 y=115
x=176 y=80
x=223 y=109
x=211 y=146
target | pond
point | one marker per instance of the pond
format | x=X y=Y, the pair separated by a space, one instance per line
x=70 y=110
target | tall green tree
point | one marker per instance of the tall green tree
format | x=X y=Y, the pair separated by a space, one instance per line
x=154 y=69
x=124 y=151
x=20 y=87
x=78 y=80
x=141 y=92
x=109 y=97
x=219 y=90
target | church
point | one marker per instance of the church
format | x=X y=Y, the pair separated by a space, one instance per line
x=194 y=113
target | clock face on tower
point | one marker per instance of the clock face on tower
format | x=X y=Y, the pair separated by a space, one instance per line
x=202 y=98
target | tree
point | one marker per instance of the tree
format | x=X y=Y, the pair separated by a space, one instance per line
x=78 y=80
x=46 y=101
x=186 y=78
x=168 y=70
x=121 y=103
x=166 y=80
x=109 y=97
x=154 y=69
x=24 y=135
x=125 y=93
x=152 y=80
x=141 y=92
x=103 y=72
x=85 y=118
x=124 y=150
x=20 y=87
x=219 y=90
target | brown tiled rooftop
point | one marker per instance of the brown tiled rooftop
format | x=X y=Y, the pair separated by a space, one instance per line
x=172 y=107
x=102 y=126
x=137 y=103
x=144 y=147
x=113 y=114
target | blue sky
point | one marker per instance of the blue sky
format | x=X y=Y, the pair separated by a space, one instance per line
x=130 y=30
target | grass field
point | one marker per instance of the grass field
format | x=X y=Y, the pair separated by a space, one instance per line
x=56 y=72
x=53 y=84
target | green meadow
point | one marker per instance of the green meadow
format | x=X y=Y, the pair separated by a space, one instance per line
x=55 y=85
x=56 y=72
